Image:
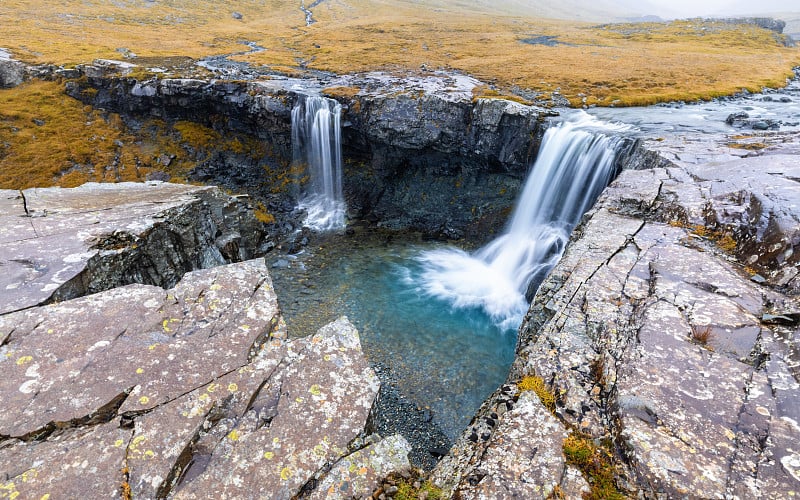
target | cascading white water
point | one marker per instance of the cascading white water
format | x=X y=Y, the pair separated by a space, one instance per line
x=575 y=163
x=317 y=144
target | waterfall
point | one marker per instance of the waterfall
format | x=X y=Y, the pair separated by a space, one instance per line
x=575 y=163
x=317 y=146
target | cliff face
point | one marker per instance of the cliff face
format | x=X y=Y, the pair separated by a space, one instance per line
x=664 y=344
x=418 y=153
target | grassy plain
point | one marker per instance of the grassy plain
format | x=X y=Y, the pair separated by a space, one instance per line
x=48 y=138
x=620 y=64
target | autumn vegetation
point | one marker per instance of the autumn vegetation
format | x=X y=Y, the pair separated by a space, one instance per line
x=50 y=138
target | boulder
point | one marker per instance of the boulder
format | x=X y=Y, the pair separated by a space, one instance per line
x=190 y=392
x=12 y=72
x=64 y=243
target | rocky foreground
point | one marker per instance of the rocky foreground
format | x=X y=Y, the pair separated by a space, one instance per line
x=186 y=387
x=662 y=350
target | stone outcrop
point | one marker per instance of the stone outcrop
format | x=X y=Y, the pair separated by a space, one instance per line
x=416 y=141
x=186 y=387
x=63 y=243
x=768 y=23
x=191 y=392
x=12 y=72
x=667 y=334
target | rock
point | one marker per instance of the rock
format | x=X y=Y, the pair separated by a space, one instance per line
x=767 y=23
x=360 y=473
x=737 y=118
x=650 y=334
x=526 y=463
x=236 y=15
x=188 y=392
x=741 y=119
x=748 y=199
x=12 y=72
x=64 y=243
x=420 y=152
x=760 y=125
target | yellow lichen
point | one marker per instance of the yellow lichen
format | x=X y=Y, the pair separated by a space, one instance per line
x=24 y=359
x=537 y=385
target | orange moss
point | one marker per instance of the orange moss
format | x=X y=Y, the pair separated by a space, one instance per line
x=48 y=138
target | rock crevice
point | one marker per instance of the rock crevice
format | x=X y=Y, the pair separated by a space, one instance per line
x=650 y=337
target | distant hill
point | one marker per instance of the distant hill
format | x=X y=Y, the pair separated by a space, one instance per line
x=576 y=10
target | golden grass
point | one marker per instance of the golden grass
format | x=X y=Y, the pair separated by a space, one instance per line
x=629 y=64
x=48 y=138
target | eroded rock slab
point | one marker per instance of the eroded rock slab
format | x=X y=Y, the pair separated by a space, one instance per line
x=656 y=336
x=58 y=244
x=187 y=392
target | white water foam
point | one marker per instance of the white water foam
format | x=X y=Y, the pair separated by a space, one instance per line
x=317 y=143
x=575 y=163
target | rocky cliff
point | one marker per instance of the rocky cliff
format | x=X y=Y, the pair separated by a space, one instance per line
x=422 y=142
x=186 y=387
x=64 y=243
x=659 y=359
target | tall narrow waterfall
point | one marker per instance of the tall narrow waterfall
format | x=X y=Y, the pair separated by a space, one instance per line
x=317 y=145
x=575 y=163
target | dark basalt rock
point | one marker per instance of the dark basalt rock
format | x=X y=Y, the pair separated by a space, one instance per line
x=418 y=153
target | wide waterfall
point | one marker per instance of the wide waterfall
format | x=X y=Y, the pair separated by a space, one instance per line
x=317 y=145
x=575 y=163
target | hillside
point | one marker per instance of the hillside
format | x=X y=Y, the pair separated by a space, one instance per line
x=634 y=64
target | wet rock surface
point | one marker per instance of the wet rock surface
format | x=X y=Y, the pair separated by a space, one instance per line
x=656 y=336
x=59 y=244
x=188 y=390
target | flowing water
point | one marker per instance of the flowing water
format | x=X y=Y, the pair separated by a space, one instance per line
x=440 y=322
x=575 y=163
x=442 y=360
x=317 y=145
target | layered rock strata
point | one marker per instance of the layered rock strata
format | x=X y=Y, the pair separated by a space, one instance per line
x=423 y=142
x=63 y=243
